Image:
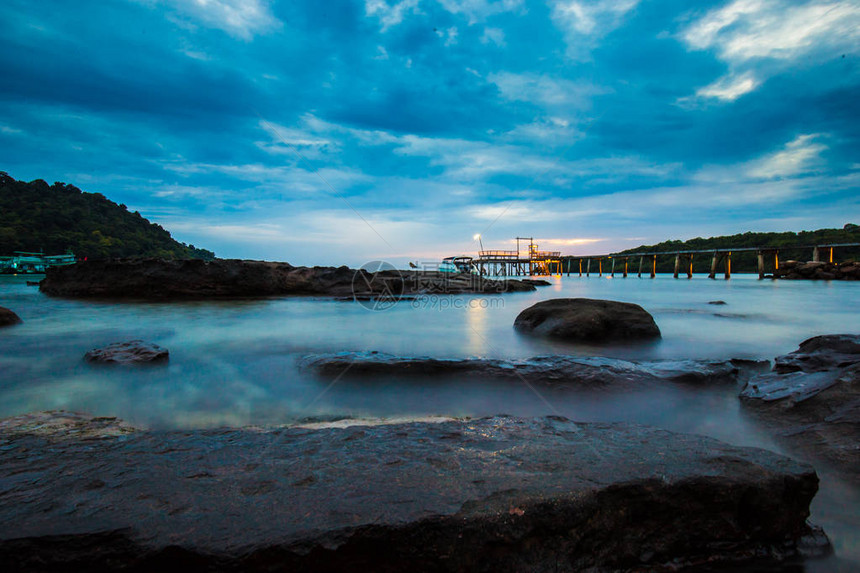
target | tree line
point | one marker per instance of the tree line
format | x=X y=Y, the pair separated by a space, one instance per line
x=60 y=218
x=790 y=245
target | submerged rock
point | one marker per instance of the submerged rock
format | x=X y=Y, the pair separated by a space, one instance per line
x=496 y=494
x=183 y=279
x=131 y=352
x=583 y=372
x=587 y=320
x=812 y=397
x=8 y=318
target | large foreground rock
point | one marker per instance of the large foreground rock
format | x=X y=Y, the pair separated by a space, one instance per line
x=8 y=318
x=496 y=494
x=128 y=353
x=178 y=279
x=558 y=371
x=587 y=320
x=812 y=397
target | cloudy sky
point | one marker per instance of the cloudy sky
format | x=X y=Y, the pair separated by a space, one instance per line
x=330 y=132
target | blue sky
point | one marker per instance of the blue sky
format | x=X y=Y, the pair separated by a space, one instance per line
x=337 y=132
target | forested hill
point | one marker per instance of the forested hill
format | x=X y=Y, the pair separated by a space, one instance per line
x=787 y=243
x=59 y=218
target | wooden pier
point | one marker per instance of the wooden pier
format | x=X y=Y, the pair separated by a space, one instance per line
x=721 y=260
x=536 y=262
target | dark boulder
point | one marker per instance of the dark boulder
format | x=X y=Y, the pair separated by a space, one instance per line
x=131 y=352
x=812 y=398
x=537 y=282
x=488 y=495
x=587 y=320
x=8 y=318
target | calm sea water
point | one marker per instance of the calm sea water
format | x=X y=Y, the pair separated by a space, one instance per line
x=233 y=362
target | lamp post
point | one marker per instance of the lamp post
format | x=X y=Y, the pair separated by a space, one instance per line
x=477 y=237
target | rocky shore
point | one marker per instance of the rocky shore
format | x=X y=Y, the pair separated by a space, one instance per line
x=495 y=494
x=161 y=279
x=818 y=270
x=812 y=400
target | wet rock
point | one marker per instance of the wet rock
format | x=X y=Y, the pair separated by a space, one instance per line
x=561 y=371
x=183 y=279
x=812 y=399
x=8 y=318
x=537 y=282
x=131 y=352
x=587 y=320
x=717 y=302
x=496 y=494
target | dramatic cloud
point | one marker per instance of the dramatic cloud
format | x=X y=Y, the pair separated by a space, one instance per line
x=340 y=132
x=757 y=38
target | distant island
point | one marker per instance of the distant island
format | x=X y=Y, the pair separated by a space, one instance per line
x=60 y=218
x=788 y=244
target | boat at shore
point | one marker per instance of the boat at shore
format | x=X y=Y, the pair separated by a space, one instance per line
x=458 y=264
x=33 y=263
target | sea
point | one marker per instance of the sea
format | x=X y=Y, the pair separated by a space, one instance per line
x=236 y=362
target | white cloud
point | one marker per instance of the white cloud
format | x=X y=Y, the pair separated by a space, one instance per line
x=591 y=17
x=389 y=14
x=747 y=29
x=584 y=22
x=288 y=140
x=799 y=156
x=729 y=88
x=240 y=18
x=494 y=36
x=546 y=131
x=9 y=130
x=479 y=10
x=542 y=89
x=450 y=35
x=766 y=37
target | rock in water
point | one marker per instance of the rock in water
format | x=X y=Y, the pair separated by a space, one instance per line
x=160 y=279
x=587 y=320
x=812 y=397
x=558 y=371
x=8 y=318
x=131 y=352
x=495 y=494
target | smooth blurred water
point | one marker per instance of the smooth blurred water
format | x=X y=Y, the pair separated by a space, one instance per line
x=233 y=362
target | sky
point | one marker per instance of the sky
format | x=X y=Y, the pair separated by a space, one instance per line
x=339 y=132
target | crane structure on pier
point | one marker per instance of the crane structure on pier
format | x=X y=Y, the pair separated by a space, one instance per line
x=514 y=263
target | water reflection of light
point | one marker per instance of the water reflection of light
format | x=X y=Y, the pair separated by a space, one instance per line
x=476 y=323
